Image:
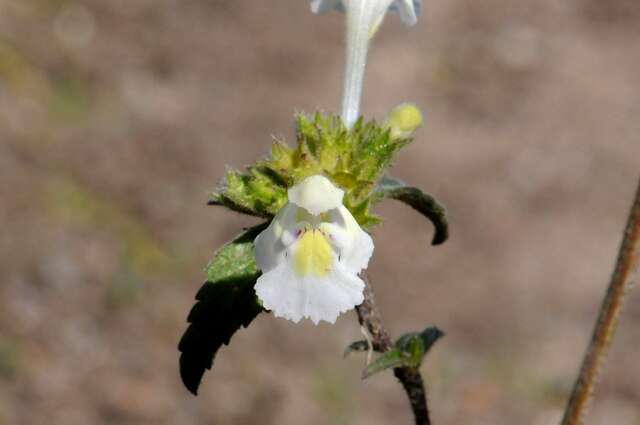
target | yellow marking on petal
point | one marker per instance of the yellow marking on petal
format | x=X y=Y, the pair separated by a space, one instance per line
x=312 y=254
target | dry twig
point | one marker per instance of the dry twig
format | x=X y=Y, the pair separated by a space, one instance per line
x=605 y=326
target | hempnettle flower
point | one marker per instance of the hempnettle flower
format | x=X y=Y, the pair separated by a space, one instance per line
x=305 y=262
x=363 y=20
x=311 y=254
x=408 y=9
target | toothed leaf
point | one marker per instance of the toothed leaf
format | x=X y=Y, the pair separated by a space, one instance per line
x=225 y=303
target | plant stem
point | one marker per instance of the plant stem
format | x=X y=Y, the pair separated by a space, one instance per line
x=605 y=326
x=411 y=379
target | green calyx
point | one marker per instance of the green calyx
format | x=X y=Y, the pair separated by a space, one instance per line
x=354 y=159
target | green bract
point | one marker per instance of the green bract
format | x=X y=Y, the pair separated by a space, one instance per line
x=353 y=159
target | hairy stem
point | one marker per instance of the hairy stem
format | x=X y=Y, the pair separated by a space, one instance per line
x=411 y=379
x=605 y=326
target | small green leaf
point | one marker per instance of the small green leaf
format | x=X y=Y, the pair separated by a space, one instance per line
x=408 y=351
x=362 y=345
x=226 y=302
x=412 y=347
x=425 y=204
x=416 y=345
x=235 y=259
x=429 y=336
x=387 y=360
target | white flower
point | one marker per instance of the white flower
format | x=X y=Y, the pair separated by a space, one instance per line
x=311 y=254
x=363 y=19
x=408 y=9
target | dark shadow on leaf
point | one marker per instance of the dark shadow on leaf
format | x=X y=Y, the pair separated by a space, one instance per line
x=222 y=308
x=226 y=302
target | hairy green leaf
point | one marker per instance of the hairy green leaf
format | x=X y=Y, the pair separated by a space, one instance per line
x=408 y=351
x=225 y=303
x=415 y=345
x=425 y=204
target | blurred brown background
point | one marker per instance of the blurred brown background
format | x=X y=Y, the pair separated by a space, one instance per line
x=118 y=116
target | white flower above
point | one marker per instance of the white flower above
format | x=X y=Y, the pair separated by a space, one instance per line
x=363 y=20
x=408 y=9
x=311 y=254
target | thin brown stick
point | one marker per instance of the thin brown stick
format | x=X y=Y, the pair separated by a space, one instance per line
x=605 y=326
x=411 y=379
